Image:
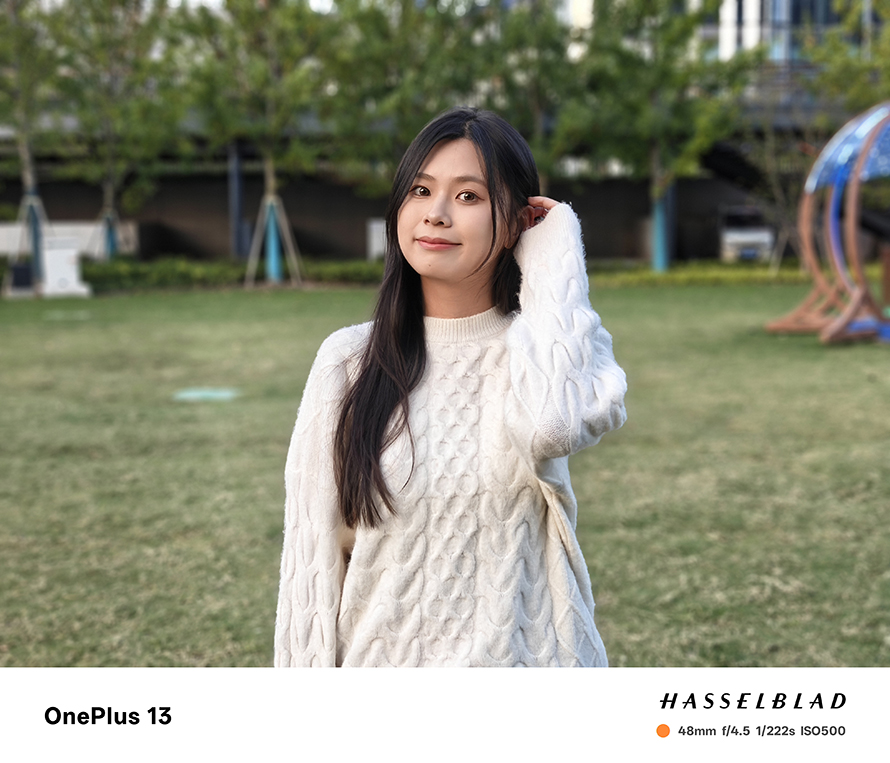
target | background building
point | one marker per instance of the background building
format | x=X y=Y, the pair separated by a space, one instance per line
x=780 y=25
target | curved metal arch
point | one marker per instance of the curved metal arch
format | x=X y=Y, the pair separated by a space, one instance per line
x=863 y=317
x=858 y=152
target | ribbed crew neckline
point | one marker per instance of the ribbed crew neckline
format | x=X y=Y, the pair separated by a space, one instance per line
x=481 y=326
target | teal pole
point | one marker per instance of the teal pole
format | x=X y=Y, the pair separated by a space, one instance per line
x=36 y=240
x=236 y=201
x=659 y=236
x=273 y=246
x=110 y=237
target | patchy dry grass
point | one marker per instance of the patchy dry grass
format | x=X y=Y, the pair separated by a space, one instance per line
x=742 y=516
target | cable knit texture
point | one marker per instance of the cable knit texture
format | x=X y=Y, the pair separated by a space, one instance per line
x=480 y=564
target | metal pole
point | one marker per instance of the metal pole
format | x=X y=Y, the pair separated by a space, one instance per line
x=236 y=200
x=659 y=243
x=36 y=239
x=110 y=236
x=273 y=246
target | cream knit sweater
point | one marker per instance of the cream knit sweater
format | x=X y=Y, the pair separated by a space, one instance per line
x=480 y=564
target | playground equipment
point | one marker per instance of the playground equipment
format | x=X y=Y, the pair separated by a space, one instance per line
x=840 y=306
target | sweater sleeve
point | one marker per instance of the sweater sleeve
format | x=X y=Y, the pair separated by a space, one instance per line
x=316 y=541
x=567 y=391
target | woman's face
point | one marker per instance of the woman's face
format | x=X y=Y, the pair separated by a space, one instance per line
x=444 y=224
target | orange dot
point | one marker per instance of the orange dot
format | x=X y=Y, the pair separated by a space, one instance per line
x=663 y=730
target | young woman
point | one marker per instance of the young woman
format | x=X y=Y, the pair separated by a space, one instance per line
x=429 y=517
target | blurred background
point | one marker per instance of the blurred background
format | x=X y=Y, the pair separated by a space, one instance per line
x=667 y=124
x=161 y=155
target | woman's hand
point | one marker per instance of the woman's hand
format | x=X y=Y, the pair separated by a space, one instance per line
x=537 y=209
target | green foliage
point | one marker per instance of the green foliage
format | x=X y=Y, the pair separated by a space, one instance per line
x=781 y=157
x=28 y=77
x=346 y=271
x=121 y=83
x=654 y=99
x=352 y=86
x=391 y=67
x=699 y=274
x=125 y=274
x=854 y=59
x=256 y=76
x=531 y=63
x=707 y=273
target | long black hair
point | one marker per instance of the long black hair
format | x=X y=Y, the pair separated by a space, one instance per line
x=395 y=357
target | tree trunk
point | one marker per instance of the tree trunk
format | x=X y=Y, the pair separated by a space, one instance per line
x=22 y=123
x=26 y=159
x=108 y=195
x=271 y=184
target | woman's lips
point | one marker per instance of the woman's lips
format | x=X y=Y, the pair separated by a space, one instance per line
x=435 y=244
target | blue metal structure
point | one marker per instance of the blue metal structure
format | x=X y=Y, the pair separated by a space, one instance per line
x=859 y=152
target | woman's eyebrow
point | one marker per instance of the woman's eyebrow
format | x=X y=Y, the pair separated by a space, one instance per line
x=458 y=179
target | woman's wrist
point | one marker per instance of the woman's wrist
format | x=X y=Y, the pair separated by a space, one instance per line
x=557 y=233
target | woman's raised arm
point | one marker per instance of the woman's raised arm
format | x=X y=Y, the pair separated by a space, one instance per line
x=567 y=391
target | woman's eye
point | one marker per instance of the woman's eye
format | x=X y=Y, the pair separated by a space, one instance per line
x=467 y=196
x=419 y=190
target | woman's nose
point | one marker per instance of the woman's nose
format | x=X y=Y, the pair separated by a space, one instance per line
x=437 y=213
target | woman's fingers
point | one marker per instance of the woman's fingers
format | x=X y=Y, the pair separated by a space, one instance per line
x=537 y=209
x=542 y=201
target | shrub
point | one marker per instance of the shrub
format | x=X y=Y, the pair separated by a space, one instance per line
x=181 y=273
x=126 y=274
x=709 y=274
x=347 y=271
x=169 y=273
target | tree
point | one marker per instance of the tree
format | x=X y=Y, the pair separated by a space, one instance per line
x=795 y=107
x=783 y=130
x=531 y=69
x=27 y=75
x=394 y=65
x=256 y=79
x=398 y=63
x=121 y=82
x=656 y=101
x=853 y=59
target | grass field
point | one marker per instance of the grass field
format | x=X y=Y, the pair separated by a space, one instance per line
x=741 y=517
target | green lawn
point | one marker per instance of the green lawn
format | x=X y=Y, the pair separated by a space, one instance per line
x=741 y=517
